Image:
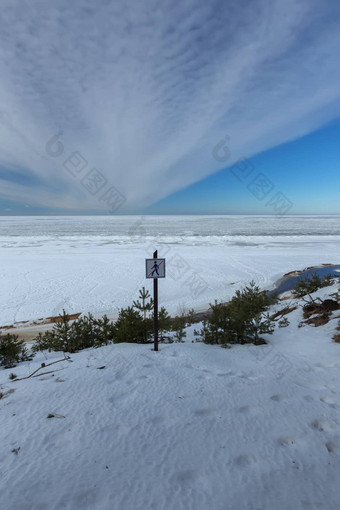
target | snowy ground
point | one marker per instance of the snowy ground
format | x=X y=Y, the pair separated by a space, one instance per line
x=98 y=264
x=192 y=427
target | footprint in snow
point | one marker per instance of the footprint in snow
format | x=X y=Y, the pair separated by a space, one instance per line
x=330 y=402
x=159 y=419
x=286 y=441
x=203 y=376
x=278 y=398
x=309 y=398
x=248 y=410
x=187 y=476
x=333 y=447
x=204 y=412
x=322 y=426
x=245 y=460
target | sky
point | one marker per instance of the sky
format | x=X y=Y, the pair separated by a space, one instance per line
x=191 y=107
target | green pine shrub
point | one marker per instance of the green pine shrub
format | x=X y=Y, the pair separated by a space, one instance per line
x=45 y=342
x=283 y=323
x=309 y=284
x=216 y=327
x=192 y=318
x=164 y=325
x=13 y=351
x=134 y=324
x=146 y=303
x=242 y=320
x=81 y=334
x=132 y=327
x=178 y=328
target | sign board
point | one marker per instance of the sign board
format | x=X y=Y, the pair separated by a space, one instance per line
x=155 y=268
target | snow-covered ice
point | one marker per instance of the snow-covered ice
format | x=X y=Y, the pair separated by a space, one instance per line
x=97 y=264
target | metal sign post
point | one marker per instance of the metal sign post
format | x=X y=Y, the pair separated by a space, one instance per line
x=155 y=268
x=155 y=309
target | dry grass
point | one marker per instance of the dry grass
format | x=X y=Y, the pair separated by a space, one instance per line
x=324 y=307
x=283 y=312
x=318 y=320
x=4 y=394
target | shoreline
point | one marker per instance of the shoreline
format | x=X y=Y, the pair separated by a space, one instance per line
x=27 y=330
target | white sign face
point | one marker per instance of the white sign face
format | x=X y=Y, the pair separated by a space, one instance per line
x=155 y=268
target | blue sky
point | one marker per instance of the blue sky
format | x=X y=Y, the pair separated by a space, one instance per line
x=306 y=171
x=169 y=107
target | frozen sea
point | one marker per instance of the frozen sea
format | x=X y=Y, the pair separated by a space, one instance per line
x=97 y=263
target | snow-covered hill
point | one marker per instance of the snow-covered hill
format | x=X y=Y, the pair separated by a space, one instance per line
x=192 y=426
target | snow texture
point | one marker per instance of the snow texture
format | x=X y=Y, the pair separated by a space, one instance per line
x=192 y=426
x=97 y=264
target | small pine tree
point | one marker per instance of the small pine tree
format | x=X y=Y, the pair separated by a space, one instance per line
x=216 y=326
x=241 y=320
x=45 y=341
x=247 y=314
x=260 y=324
x=191 y=318
x=104 y=331
x=336 y=294
x=178 y=327
x=131 y=327
x=145 y=305
x=164 y=323
x=283 y=323
x=309 y=284
x=13 y=351
x=62 y=330
x=83 y=333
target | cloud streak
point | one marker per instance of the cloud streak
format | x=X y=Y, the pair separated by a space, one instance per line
x=145 y=90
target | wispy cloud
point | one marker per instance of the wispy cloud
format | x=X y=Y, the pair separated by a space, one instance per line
x=144 y=90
